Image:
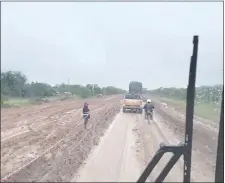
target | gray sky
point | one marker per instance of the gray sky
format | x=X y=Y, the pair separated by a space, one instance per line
x=112 y=43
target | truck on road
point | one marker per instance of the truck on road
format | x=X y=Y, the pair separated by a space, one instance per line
x=132 y=102
x=135 y=87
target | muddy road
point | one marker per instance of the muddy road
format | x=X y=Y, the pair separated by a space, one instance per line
x=130 y=143
x=49 y=143
x=205 y=136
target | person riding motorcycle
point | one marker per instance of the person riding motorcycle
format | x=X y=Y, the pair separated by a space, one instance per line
x=86 y=111
x=148 y=106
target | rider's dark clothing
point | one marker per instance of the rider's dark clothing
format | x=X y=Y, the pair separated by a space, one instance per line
x=148 y=106
x=85 y=109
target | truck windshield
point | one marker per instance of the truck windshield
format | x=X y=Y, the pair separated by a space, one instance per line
x=130 y=96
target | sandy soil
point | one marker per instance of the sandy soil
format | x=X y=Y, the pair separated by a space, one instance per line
x=131 y=142
x=114 y=159
x=205 y=135
x=49 y=143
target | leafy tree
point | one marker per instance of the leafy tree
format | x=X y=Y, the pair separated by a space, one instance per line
x=14 y=84
x=110 y=90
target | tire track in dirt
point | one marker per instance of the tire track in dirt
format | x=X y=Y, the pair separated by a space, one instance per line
x=12 y=113
x=70 y=138
x=204 y=143
x=116 y=151
x=56 y=155
x=25 y=139
x=30 y=123
x=21 y=175
x=50 y=111
x=149 y=138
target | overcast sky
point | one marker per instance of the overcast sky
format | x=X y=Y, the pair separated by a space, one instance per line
x=112 y=43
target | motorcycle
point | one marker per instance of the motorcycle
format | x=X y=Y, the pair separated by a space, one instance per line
x=149 y=115
x=86 y=116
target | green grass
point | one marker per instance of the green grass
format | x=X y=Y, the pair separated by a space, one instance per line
x=16 y=102
x=21 y=102
x=207 y=110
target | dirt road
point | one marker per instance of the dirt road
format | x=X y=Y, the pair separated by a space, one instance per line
x=205 y=135
x=131 y=142
x=114 y=159
x=49 y=143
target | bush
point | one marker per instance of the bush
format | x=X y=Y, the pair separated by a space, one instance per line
x=202 y=94
x=6 y=105
x=14 y=84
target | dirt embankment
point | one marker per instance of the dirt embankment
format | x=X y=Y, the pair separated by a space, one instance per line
x=205 y=134
x=48 y=142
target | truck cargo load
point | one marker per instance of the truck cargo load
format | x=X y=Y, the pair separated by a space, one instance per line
x=135 y=87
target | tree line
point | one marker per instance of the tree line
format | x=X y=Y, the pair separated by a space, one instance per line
x=202 y=93
x=15 y=84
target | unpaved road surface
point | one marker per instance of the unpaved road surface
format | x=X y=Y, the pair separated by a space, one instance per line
x=49 y=143
x=131 y=142
x=205 y=136
x=114 y=159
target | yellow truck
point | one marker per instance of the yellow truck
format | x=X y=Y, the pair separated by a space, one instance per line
x=132 y=102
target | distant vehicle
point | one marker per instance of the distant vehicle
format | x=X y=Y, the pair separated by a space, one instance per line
x=135 y=87
x=132 y=102
x=99 y=95
x=45 y=100
x=67 y=93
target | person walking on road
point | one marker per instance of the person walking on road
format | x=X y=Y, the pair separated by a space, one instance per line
x=86 y=114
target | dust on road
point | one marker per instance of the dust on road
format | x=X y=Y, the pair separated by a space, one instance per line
x=125 y=150
x=49 y=143
x=114 y=160
x=204 y=148
x=129 y=145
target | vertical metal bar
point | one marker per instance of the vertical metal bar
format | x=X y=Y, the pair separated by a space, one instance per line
x=168 y=167
x=190 y=112
x=219 y=173
x=150 y=166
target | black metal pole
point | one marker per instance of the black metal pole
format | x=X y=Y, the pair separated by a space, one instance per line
x=190 y=112
x=168 y=167
x=186 y=148
x=150 y=166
